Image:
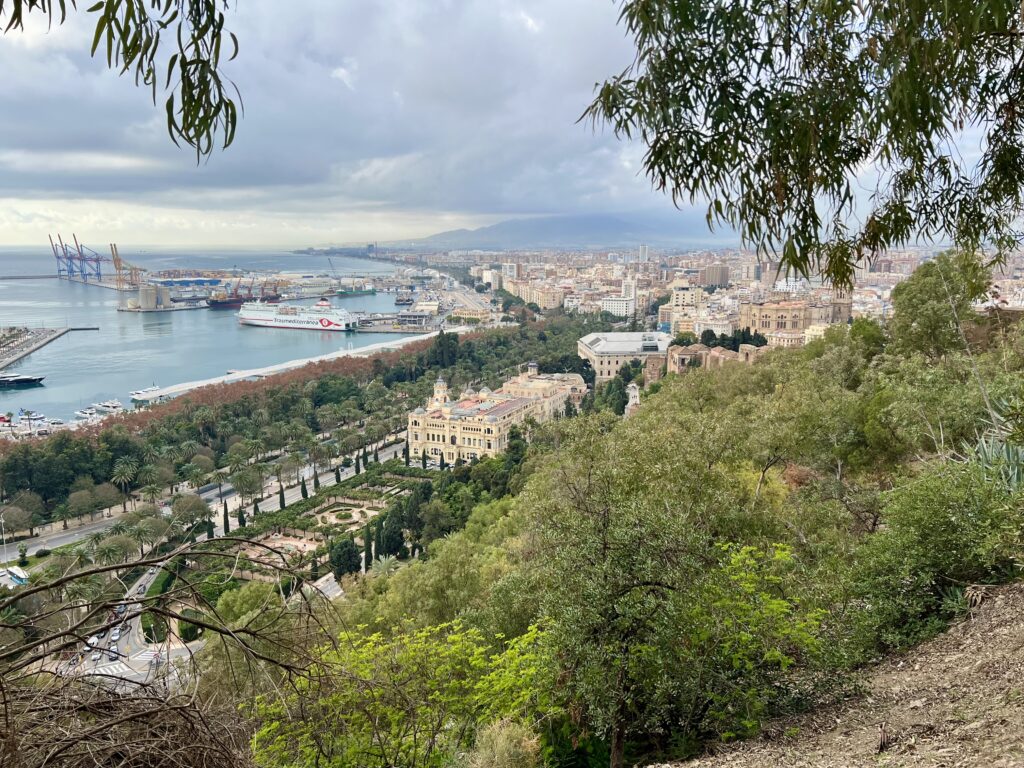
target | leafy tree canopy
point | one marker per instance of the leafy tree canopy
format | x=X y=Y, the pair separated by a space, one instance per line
x=772 y=111
x=201 y=104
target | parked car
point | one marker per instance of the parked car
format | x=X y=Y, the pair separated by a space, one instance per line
x=120 y=608
x=141 y=590
x=97 y=655
x=112 y=654
x=116 y=635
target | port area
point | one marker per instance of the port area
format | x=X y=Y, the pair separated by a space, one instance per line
x=110 y=285
x=171 y=308
x=16 y=343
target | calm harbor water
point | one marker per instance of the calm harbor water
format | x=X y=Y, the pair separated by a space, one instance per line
x=133 y=350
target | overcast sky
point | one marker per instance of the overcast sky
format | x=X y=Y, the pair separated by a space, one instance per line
x=363 y=121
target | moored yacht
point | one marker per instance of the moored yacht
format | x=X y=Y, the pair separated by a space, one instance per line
x=86 y=413
x=108 y=406
x=141 y=393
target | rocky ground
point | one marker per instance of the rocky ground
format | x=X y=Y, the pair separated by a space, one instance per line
x=955 y=701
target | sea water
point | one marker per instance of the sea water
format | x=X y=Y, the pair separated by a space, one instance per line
x=132 y=350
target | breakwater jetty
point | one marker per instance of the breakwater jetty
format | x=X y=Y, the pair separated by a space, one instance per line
x=17 y=343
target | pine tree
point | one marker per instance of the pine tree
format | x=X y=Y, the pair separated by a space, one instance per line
x=280 y=497
x=367 y=547
x=225 y=523
x=304 y=490
x=241 y=517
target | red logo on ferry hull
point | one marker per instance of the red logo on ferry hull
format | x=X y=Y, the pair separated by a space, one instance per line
x=328 y=323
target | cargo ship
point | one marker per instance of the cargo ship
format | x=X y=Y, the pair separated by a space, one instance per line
x=345 y=292
x=320 y=317
x=235 y=298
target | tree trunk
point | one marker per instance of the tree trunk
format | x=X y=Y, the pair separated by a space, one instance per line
x=618 y=750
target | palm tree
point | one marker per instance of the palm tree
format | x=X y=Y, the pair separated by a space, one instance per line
x=64 y=514
x=125 y=470
x=219 y=476
x=188 y=449
x=146 y=475
x=384 y=565
x=151 y=493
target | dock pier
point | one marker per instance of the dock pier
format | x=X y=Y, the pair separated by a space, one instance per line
x=36 y=338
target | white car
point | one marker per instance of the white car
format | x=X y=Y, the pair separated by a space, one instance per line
x=116 y=635
x=96 y=655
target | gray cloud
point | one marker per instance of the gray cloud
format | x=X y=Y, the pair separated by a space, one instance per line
x=461 y=109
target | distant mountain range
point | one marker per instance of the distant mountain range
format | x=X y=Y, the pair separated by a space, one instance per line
x=680 y=229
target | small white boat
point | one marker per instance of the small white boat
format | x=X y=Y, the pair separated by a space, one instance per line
x=86 y=413
x=31 y=416
x=141 y=393
x=55 y=422
x=108 y=406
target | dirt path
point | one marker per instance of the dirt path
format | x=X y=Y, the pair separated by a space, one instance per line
x=957 y=700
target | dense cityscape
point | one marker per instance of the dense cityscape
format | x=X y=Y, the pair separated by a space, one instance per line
x=443 y=409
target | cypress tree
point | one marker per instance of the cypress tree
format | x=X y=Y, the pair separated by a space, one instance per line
x=305 y=491
x=209 y=529
x=366 y=458
x=423 y=458
x=376 y=456
x=378 y=537
x=314 y=570
x=440 y=463
x=357 y=464
x=316 y=482
x=255 y=508
x=241 y=517
x=226 y=524
x=367 y=547
x=280 y=497
x=337 y=475
x=405 y=454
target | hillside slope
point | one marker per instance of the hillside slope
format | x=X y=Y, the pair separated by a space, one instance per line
x=957 y=700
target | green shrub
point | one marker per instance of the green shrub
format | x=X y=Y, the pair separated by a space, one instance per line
x=952 y=526
x=154 y=628
x=41 y=553
x=186 y=629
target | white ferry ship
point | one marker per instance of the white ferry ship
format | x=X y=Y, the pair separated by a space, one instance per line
x=320 y=317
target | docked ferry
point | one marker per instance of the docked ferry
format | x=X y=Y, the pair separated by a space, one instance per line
x=322 y=316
